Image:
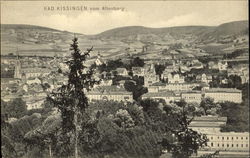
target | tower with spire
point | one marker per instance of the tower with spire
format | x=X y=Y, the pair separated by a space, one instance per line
x=17 y=73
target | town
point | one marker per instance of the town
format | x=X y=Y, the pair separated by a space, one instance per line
x=145 y=84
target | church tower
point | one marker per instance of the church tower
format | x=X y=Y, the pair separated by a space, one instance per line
x=17 y=73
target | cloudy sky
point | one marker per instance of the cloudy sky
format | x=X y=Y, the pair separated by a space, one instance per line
x=143 y=13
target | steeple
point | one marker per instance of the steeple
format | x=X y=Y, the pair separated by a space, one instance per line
x=17 y=73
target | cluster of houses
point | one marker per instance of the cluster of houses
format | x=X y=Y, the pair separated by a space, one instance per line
x=174 y=89
x=33 y=79
x=29 y=81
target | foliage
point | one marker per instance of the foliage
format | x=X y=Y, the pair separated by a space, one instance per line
x=121 y=131
x=12 y=134
x=70 y=99
x=16 y=108
x=234 y=54
x=185 y=141
x=159 y=69
x=137 y=62
x=237 y=117
x=209 y=106
x=137 y=88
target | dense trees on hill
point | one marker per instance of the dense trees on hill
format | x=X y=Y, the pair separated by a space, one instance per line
x=234 y=54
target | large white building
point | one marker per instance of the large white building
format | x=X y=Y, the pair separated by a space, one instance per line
x=224 y=94
x=110 y=93
x=192 y=96
x=226 y=142
x=168 y=96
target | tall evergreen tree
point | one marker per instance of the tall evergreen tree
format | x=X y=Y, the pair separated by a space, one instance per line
x=71 y=98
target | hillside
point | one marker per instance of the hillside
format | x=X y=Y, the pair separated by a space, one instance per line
x=23 y=26
x=30 y=39
x=226 y=32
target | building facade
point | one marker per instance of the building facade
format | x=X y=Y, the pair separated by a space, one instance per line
x=110 y=93
x=224 y=94
x=192 y=96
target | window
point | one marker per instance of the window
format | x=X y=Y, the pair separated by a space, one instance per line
x=237 y=145
x=222 y=145
x=241 y=145
x=246 y=145
x=218 y=145
x=223 y=138
x=232 y=138
x=218 y=137
x=236 y=137
x=212 y=144
x=227 y=138
x=246 y=138
x=241 y=138
x=232 y=145
x=227 y=145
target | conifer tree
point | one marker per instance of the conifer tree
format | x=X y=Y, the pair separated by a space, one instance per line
x=71 y=100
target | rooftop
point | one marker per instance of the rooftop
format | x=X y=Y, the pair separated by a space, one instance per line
x=224 y=90
x=159 y=84
x=159 y=94
x=109 y=90
x=210 y=118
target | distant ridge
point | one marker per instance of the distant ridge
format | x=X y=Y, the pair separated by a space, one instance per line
x=236 y=27
x=24 y=26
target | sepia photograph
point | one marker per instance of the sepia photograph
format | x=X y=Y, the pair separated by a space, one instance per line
x=125 y=79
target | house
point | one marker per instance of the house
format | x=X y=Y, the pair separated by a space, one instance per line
x=34 y=104
x=197 y=65
x=203 y=78
x=222 y=65
x=106 y=83
x=212 y=65
x=138 y=71
x=33 y=80
x=224 y=94
x=122 y=71
x=242 y=71
x=184 y=68
x=149 y=79
x=175 y=78
x=99 y=60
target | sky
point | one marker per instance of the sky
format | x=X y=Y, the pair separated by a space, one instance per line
x=134 y=13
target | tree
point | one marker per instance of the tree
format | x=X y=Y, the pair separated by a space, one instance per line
x=159 y=69
x=234 y=81
x=45 y=135
x=209 y=106
x=16 y=108
x=184 y=141
x=137 y=62
x=137 y=89
x=71 y=99
x=237 y=117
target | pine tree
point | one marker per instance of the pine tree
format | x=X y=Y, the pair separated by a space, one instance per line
x=71 y=100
